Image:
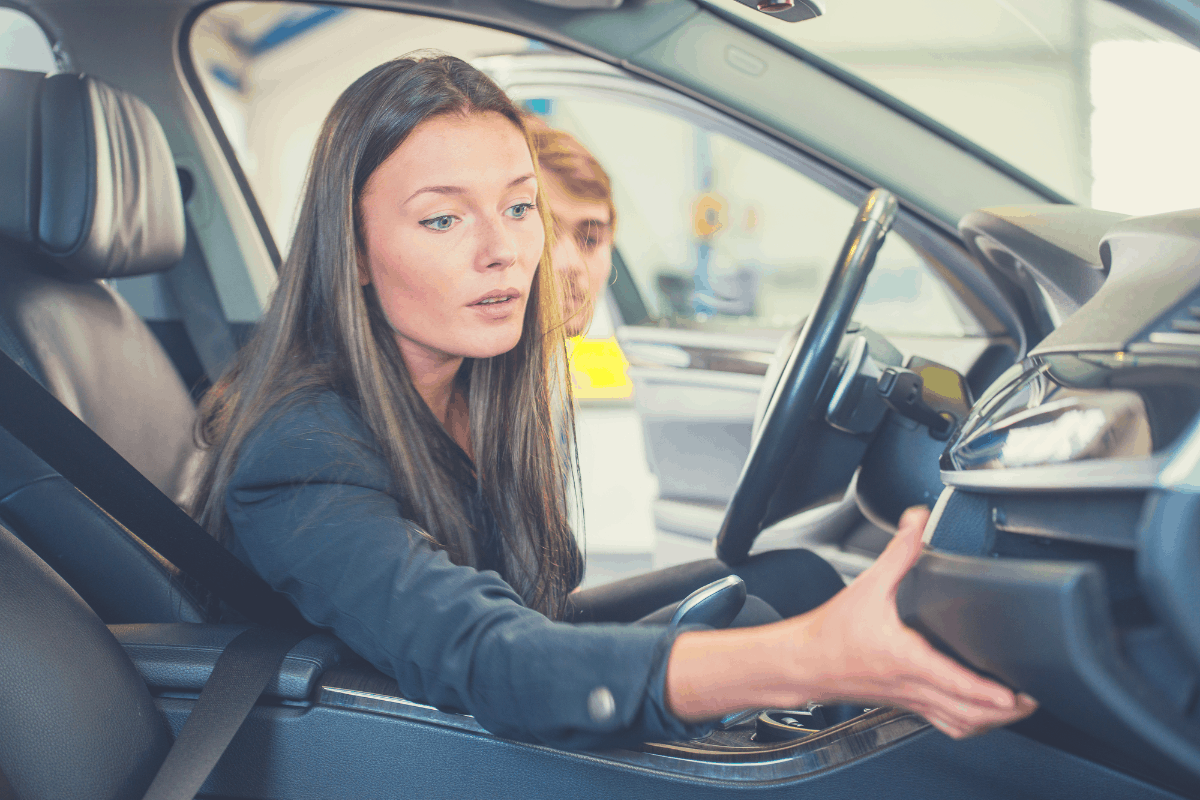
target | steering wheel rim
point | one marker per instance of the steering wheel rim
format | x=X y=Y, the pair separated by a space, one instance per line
x=789 y=418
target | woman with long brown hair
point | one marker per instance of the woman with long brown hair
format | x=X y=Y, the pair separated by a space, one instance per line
x=383 y=453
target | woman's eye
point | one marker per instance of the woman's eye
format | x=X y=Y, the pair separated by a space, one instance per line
x=442 y=223
x=520 y=210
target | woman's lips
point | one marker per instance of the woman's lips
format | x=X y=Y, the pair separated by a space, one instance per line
x=497 y=304
x=496 y=294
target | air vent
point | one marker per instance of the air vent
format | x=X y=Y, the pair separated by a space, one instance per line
x=1181 y=327
x=1189 y=322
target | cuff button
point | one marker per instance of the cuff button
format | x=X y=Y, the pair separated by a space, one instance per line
x=601 y=704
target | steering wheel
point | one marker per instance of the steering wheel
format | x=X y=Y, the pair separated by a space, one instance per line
x=792 y=420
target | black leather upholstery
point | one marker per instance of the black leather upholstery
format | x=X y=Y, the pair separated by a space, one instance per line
x=115 y=573
x=90 y=180
x=76 y=720
x=85 y=344
x=88 y=190
x=179 y=658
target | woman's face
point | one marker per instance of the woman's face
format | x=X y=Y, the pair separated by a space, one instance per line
x=582 y=252
x=453 y=238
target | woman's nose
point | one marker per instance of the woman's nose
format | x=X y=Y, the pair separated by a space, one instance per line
x=498 y=245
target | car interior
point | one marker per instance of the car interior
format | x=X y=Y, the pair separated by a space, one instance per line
x=1061 y=457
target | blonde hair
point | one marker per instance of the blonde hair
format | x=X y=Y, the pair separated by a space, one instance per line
x=560 y=154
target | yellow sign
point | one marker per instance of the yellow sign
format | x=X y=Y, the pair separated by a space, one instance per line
x=599 y=370
x=708 y=215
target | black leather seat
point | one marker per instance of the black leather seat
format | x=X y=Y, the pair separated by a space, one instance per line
x=76 y=720
x=89 y=191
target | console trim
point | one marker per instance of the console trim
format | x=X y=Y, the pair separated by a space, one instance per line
x=839 y=745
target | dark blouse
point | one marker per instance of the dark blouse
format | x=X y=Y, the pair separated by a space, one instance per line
x=312 y=510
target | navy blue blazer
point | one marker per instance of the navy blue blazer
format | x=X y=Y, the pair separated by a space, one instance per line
x=312 y=510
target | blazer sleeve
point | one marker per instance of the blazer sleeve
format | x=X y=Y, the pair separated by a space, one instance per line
x=311 y=511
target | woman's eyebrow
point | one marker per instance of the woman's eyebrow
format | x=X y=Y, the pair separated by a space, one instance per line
x=462 y=190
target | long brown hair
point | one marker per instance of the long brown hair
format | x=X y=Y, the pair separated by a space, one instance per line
x=322 y=330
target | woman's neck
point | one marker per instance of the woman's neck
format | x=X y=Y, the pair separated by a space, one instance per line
x=433 y=375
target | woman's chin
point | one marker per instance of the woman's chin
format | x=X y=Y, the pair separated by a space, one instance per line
x=489 y=344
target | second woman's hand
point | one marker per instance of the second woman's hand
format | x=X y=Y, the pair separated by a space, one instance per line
x=852 y=648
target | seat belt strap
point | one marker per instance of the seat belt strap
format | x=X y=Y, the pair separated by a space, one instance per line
x=195 y=296
x=35 y=417
x=238 y=678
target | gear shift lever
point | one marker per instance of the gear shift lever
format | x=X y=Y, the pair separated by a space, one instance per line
x=714 y=605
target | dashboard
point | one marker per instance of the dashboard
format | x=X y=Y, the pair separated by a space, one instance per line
x=1065 y=549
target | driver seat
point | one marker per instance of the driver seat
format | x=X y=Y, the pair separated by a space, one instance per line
x=89 y=192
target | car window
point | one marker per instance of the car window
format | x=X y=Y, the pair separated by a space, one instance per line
x=715 y=233
x=23 y=43
x=719 y=235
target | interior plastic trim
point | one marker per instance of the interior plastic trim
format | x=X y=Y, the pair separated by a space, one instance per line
x=1095 y=474
x=1182 y=472
x=1044 y=627
x=859 y=737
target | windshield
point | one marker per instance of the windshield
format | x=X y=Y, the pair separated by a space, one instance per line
x=1091 y=101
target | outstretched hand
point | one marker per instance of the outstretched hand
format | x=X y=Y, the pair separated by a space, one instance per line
x=855 y=648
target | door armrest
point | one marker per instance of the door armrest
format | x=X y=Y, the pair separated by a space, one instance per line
x=179 y=657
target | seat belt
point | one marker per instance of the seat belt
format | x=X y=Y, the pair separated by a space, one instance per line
x=51 y=431
x=191 y=287
x=36 y=418
x=239 y=677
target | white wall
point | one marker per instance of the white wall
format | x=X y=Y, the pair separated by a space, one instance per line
x=23 y=45
x=1089 y=99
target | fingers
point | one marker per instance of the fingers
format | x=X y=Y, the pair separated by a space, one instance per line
x=956 y=700
x=960 y=682
x=959 y=718
x=889 y=662
x=904 y=549
x=960 y=726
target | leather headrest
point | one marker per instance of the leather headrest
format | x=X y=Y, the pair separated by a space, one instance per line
x=87 y=177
